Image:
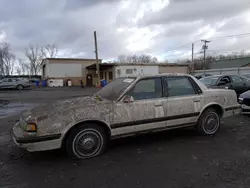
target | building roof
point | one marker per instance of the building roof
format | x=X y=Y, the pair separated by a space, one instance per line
x=71 y=59
x=106 y=65
x=68 y=59
x=230 y=63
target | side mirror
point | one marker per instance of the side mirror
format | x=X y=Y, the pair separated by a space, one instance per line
x=128 y=99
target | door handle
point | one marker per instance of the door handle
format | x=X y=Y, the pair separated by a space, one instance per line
x=158 y=104
x=197 y=100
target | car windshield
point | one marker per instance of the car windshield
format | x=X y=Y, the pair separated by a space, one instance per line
x=114 y=89
x=209 y=80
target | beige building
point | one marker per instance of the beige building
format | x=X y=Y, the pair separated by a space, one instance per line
x=68 y=68
x=85 y=69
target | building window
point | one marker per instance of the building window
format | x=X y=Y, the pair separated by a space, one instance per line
x=110 y=75
x=129 y=71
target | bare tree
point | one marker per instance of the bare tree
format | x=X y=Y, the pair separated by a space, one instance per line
x=49 y=51
x=23 y=68
x=136 y=59
x=10 y=61
x=34 y=55
x=7 y=59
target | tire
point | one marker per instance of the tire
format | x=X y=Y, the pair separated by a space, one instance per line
x=19 y=87
x=86 y=141
x=208 y=116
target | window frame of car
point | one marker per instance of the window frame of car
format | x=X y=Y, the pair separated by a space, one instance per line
x=130 y=88
x=195 y=86
x=148 y=78
x=220 y=78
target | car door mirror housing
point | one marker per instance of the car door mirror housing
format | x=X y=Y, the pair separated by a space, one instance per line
x=128 y=99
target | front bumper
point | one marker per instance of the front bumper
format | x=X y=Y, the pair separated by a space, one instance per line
x=32 y=142
x=245 y=109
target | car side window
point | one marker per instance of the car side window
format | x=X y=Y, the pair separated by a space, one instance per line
x=179 y=86
x=237 y=79
x=10 y=80
x=224 y=81
x=149 y=88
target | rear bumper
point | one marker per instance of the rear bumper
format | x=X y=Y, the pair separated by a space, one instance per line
x=33 y=142
x=232 y=110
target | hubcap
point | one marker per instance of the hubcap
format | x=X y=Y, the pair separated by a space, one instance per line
x=87 y=143
x=211 y=123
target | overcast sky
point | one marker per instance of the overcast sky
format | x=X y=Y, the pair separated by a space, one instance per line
x=153 y=27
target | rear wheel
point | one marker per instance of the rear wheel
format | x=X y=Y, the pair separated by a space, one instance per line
x=86 y=141
x=19 y=87
x=209 y=122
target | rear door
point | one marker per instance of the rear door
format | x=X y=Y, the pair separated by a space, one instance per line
x=238 y=84
x=183 y=101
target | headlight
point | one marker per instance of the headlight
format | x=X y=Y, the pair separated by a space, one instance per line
x=31 y=127
x=241 y=100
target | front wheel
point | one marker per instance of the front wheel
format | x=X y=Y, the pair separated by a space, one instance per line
x=209 y=122
x=86 y=141
x=19 y=87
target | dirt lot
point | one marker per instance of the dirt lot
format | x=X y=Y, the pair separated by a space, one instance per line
x=178 y=158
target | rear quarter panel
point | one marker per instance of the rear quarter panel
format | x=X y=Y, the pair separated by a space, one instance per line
x=225 y=98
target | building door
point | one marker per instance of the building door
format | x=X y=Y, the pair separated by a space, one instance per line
x=89 y=80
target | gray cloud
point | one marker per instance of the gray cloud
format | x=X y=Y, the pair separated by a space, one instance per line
x=75 y=4
x=70 y=24
x=182 y=10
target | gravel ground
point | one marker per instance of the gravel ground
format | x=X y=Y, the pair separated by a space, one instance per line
x=178 y=158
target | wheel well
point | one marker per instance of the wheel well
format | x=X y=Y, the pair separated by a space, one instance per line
x=102 y=124
x=217 y=107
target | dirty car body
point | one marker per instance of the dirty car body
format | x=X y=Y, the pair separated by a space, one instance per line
x=126 y=106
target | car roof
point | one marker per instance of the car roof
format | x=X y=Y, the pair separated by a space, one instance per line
x=212 y=76
x=163 y=74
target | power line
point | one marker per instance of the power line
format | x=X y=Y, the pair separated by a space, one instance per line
x=229 y=36
x=213 y=38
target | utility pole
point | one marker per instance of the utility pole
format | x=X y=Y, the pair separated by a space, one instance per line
x=192 y=58
x=97 y=60
x=205 y=48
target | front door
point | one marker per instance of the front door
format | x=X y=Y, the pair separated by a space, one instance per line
x=89 y=80
x=183 y=103
x=145 y=112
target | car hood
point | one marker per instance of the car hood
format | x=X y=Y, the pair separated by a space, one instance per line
x=59 y=116
x=64 y=107
x=245 y=94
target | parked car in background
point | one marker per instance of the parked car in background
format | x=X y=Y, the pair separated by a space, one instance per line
x=199 y=76
x=238 y=83
x=244 y=100
x=125 y=107
x=14 y=83
x=246 y=75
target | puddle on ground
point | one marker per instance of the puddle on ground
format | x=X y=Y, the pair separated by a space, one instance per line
x=15 y=108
